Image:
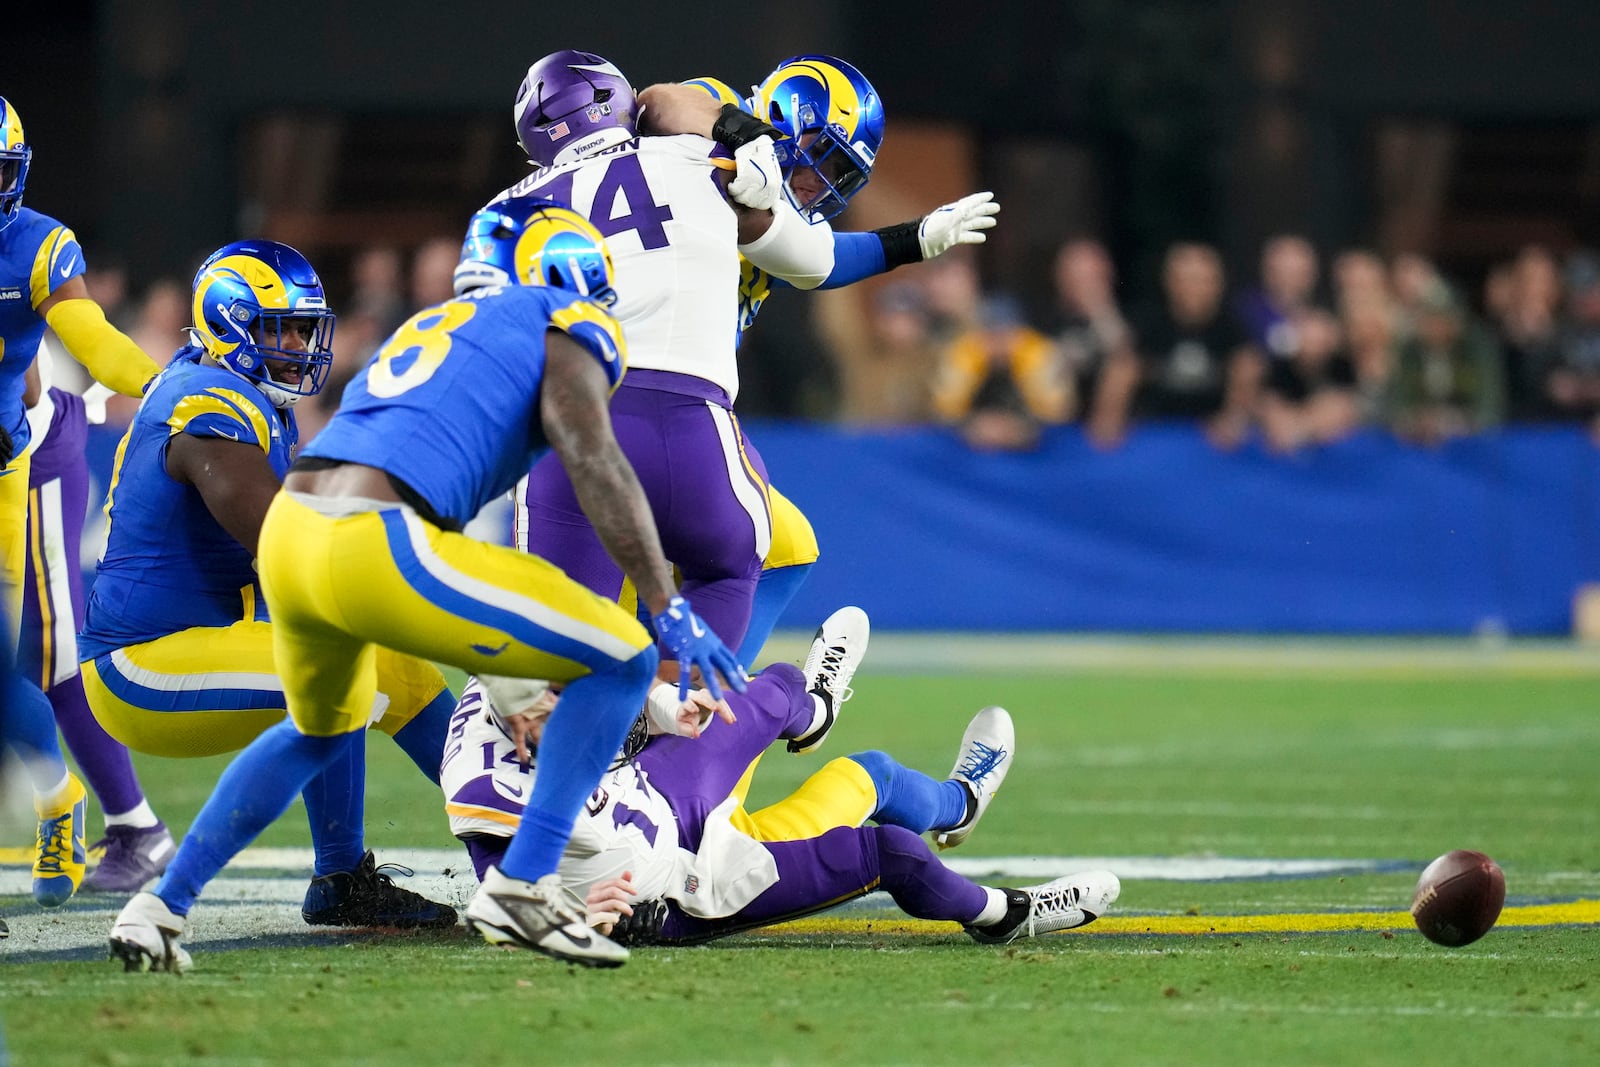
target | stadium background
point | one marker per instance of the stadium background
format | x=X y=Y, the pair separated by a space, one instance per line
x=1459 y=130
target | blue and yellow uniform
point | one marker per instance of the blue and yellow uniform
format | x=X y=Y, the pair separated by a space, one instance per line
x=176 y=639
x=856 y=256
x=448 y=407
x=38 y=255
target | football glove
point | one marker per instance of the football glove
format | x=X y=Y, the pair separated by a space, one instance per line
x=960 y=223
x=692 y=644
x=757 y=179
x=644 y=926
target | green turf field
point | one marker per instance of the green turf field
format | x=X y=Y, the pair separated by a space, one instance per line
x=1176 y=754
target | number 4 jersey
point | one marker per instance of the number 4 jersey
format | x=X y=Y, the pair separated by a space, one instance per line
x=674 y=240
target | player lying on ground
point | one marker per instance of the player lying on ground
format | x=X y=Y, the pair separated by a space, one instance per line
x=665 y=844
x=361 y=551
x=177 y=644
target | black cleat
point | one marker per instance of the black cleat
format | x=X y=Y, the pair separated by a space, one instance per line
x=367 y=896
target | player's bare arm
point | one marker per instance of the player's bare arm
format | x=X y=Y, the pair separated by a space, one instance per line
x=235 y=480
x=575 y=405
x=670 y=108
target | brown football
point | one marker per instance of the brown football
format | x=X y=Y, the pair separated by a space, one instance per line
x=1458 y=897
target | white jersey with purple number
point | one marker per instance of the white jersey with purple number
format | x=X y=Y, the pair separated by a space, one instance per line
x=626 y=825
x=674 y=240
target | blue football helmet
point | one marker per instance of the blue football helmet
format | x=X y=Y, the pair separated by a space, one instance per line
x=529 y=240
x=15 y=155
x=260 y=310
x=571 y=104
x=833 y=122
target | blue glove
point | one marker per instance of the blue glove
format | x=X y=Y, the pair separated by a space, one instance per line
x=692 y=644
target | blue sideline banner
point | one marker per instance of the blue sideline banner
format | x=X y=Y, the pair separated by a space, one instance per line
x=1166 y=534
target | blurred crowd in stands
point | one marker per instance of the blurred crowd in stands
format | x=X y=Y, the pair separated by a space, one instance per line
x=1301 y=352
x=1306 y=352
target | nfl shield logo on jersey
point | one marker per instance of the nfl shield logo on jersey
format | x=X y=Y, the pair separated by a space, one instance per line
x=691 y=885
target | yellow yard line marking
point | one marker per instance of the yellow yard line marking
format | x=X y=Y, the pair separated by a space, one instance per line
x=1580 y=911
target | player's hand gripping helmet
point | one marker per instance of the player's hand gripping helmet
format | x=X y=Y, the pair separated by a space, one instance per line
x=260 y=311
x=15 y=155
x=834 y=122
x=528 y=240
x=572 y=104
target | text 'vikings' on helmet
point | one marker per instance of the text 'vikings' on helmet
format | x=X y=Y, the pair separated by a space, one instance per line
x=833 y=121
x=529 y=240
x=15 y=155
x=260 y=311
x=571 y=105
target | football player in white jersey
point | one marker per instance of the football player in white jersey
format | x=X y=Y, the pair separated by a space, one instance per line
x=677 y=239
x=665 y=846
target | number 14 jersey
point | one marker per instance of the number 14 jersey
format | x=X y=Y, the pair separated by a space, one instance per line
x=674 y=240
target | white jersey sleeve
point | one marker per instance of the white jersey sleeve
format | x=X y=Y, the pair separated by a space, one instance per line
x=799 y=252
x=626 y=824
x=658 y=202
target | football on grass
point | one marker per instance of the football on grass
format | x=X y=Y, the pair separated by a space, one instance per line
x=1458 y=897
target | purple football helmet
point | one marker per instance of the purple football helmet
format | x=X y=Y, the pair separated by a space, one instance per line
x=571 y=105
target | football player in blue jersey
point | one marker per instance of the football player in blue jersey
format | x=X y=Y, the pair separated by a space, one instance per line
x=177 y=642
x=831 y=122
x=41 y=284
x=361 y=550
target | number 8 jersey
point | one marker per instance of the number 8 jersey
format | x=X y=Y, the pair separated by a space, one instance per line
x=449 y=404
x=674 y=240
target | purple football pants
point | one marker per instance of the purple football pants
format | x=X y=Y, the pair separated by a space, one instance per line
x=52 y=602
x=814 y=874
x=707 y=489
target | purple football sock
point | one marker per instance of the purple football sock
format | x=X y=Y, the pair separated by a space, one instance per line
x=106 y=765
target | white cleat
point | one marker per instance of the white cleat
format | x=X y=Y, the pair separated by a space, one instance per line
x=542 y=916
x=985 y=758
x=836 y=652
x=1064 y=904
x=146 y=934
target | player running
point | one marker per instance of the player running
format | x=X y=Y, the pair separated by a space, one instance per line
x=360 y=550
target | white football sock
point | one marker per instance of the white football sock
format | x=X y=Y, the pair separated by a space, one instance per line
x=994 y=910
x=140 y=818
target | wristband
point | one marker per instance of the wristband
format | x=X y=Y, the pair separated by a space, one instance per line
x=901 y=245
x=734 y=128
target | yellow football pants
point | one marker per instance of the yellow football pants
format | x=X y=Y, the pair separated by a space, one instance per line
x=338 y=588
x=208 y=690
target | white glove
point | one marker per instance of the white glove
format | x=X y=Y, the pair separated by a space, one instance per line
x=960 y=223
x=757 y=178
x=685 y=718
x=94 y=402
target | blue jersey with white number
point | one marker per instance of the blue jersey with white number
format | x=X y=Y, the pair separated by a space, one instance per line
x=168 y=564
x=449 y=404
x=38 y=255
